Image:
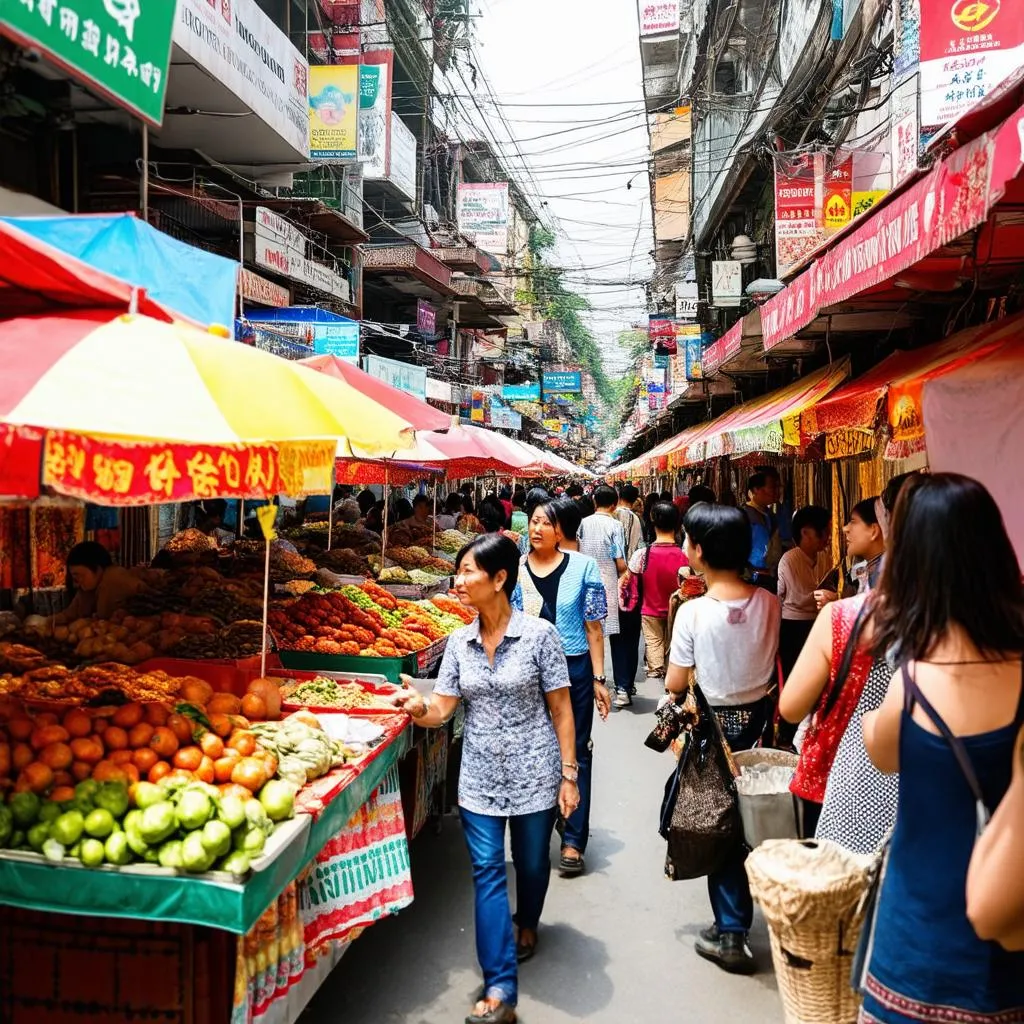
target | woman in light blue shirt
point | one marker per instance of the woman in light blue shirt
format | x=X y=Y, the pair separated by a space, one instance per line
x=566 y=588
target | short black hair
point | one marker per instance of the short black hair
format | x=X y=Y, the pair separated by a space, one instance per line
x=402 y=509
x=519 y=496
x=491 y=514
x=928 y=586
x=665 y=496
x=665 y=517
x=893 y=488
x=90 y=555
x=813 y=516
x=537 y=496
x=722 y=533
x=628 y=493
x=453 y=503
x=586 y=506
x=701 y=493
x=420 y=499
x=605 y=496
x=569 y=516
x=574 y=490
x=866 y=511
x=494 y=552
x=366 y=499
x=758 y=480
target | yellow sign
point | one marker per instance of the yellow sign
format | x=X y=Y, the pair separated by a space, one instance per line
x=848 y=442
x=863 y=201
x=266 y=514
x=333 y=112
x=555 y=425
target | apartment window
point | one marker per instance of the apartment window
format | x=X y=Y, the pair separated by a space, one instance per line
x=726 y=78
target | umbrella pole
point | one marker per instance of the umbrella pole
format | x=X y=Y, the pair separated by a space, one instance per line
x=384 y=534
x=433 y=522
x=330 y=520
x=266 y=602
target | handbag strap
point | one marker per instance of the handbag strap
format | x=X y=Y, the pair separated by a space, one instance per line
x=846 y=662
x=913 y=695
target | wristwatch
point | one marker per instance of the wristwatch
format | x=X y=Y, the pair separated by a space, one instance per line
x=601 y=679
x=572 y=777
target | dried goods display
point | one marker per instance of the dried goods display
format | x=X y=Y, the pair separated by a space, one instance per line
x=453 y=607
x=190 y=541
x=241 y=639
x=420 y=558
x=452 y=541
x=364 y=620
x=344 y=561
x=110 y=683
x=395 y=574
x=296 y=588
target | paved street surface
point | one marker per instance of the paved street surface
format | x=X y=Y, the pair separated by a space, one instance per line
x=616 y=944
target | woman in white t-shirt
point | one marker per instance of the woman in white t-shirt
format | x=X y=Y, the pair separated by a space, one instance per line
x=726 y=641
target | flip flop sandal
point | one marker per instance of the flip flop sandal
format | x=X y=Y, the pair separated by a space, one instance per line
x=501 y=1014
x=571 y=866
x=526 y=952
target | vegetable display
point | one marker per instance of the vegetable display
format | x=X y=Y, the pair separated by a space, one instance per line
x=364 y=620
x=322 y=692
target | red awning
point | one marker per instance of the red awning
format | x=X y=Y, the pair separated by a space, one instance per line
x=415 y=412
x=955 y=197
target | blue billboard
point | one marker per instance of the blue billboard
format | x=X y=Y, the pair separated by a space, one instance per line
x=563 y=383
x=341 y=340
x=521 y=392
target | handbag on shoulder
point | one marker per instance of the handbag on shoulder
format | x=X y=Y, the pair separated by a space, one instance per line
x=700 y=818
x=631 y=595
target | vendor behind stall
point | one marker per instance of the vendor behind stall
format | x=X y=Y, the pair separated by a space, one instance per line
x=101 y=587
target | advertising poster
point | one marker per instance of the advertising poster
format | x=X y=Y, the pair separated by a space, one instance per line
x=483 y=215
x=334 y=92
x=837 y=208
x=798 y=230
x=726 y=283
x=426 y=317
x=658 y=17
x=570 y=383
x=907 y=39
x=374 y=111
x=967 y=49
x=694 y=351
x=662 y=332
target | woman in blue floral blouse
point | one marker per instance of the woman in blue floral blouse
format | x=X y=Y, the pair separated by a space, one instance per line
x=518 y=758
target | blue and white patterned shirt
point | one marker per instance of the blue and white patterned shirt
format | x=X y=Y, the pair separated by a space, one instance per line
x=581 y=599
x=511 y=762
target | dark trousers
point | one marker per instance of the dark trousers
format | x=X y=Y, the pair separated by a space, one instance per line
x=581 y=678
x=728 y=887
x=625 y=647
x=793 y=634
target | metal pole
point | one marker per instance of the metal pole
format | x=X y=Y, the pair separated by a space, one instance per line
x=384 y=535
x=145 y=172
x=330 y=521
x=266 y=602
x=433 y=522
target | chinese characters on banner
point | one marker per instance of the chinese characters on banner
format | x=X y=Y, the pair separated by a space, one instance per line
x=658 y=17
x=112 y=473
x=798 y=228
x=118 y=49
x=967 y=49
x=838 y=202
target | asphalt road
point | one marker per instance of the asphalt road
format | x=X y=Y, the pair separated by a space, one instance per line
x=616 y=944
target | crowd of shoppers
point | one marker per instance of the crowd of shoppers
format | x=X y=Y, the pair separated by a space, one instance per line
x=898 y=678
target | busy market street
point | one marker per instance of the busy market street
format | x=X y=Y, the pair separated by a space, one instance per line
x=511 y=511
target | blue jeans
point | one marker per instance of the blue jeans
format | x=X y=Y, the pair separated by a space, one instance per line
x=531 y=856
x=728 y=887
x=581 y=678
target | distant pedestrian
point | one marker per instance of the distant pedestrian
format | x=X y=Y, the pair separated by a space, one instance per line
x=763 y=490
x=951 y=605
x=658 y=567
x=726 y=642
x=520 y=522
x=798 y=579
x=511 y=675
x=630 y=622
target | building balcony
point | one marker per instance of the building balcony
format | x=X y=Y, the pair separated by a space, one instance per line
x=409 y=268
x=466 y=258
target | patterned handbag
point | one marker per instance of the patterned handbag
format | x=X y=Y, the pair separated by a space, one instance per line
x=700 y=816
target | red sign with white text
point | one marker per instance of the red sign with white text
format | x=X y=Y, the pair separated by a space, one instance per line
x=798 y=230
x=114 y=473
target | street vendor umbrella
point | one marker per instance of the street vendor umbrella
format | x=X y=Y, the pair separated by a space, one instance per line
x=131 y=379
x=415 y=412
x=471 y=451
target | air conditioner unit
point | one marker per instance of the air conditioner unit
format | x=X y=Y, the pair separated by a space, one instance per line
x=430 y=216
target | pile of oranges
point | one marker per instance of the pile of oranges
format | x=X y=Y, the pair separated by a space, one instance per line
x=205 y=738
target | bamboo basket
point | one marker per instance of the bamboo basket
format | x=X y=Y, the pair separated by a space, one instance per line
x=811 y=894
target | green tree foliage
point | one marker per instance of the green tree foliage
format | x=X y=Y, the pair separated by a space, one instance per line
x=556 y=302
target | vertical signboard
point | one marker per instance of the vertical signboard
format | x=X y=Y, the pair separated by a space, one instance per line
x=659 y=17
x=662 y=333
x=120 y=50
x=333 y=112
x=906 y=39
x=402 y=158
x=905 y=132
x=967 y=49
x=426 y=317
x=837 y=207
x=484 y=214
x=726 y=283
x=374 y=113
x=798 y=231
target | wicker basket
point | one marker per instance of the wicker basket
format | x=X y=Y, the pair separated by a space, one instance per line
x=811 y=895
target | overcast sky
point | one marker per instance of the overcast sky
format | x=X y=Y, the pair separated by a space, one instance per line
x=572 y=67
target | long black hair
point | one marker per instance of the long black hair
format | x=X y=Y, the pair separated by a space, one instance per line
x=950 y=562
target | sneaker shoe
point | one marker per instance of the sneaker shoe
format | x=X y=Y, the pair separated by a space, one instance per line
x=711 y=934
x=623 y=699
x=730 y=952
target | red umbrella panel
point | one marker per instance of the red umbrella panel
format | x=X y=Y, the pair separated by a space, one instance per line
x=415 y=412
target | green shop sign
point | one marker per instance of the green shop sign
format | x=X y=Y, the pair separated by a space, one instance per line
x=119 y=48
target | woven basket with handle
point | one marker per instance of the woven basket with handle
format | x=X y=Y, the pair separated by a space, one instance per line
x=811 y=893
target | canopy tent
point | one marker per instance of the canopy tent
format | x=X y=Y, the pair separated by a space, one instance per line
x=766 y=424
x=973 y=424
x=848 y=417
x=97 y=398
x=415 y=412
x=184 y=281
